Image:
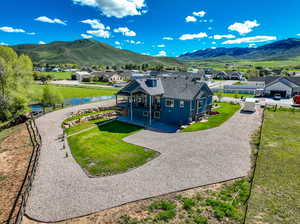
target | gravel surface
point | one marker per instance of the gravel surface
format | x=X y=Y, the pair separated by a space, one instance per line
x=62 y=190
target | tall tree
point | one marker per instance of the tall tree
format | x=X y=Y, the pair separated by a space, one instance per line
x=15 y=81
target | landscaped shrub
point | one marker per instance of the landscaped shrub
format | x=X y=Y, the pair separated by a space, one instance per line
x=188 y=203
x=127 y=220
x=165 y=215
x=221 y=209
x=199 y=219
x=163 y=205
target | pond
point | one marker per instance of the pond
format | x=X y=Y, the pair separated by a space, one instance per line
x=75 y=101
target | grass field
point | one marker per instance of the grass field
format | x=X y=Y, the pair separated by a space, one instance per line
x=237 y=95
x=73 y=92
x=58 y=75
x=217 y=204
x=275 y=196
x=226 y=111
x=96 y=83
x=101 y=151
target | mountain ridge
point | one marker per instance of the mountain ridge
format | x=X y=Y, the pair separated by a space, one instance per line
x=278 y=50
x=87 y=52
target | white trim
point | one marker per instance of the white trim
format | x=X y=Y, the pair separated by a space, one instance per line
x=172 y=102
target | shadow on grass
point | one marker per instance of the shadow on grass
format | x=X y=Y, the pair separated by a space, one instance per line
x=118 y=127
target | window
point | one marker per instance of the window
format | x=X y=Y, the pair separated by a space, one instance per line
x=145 y=114
x=157 y=114
x=181 y=104
x=199 y=104
x=169 y=103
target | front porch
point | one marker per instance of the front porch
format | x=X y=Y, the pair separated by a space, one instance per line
x=154 y=126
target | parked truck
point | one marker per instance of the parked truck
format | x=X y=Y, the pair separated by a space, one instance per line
x=296 y=100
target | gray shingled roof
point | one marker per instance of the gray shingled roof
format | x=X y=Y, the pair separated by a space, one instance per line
x=183 y=88
x=269 y=79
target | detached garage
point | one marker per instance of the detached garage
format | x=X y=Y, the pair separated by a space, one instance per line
x=287 y=87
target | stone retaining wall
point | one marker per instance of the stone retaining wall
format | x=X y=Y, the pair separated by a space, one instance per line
x=107 y=115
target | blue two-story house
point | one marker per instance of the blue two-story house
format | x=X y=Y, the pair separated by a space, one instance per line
x=171 y=100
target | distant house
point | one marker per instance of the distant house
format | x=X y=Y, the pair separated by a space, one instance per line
x=228 y=75
x=81 y=76
x=55 y=70
x=171 y=100
x=294 y=73
x=283 y=85
x=111 y=76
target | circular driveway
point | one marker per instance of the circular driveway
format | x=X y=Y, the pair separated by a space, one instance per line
x=62 y=190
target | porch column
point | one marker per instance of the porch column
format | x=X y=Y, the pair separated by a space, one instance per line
x=150 y=105
x=131 y=112
x=116 y=99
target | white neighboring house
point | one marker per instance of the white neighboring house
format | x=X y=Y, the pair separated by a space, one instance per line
x=281 y=86
x=286 y=86
x=79 y=76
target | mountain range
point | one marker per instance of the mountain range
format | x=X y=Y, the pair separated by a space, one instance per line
x=92 y=52
x=278 y=50
x=88 y=52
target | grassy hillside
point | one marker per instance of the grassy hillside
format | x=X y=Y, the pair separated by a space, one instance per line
x=87 y=52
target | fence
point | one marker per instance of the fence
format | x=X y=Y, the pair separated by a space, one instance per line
x=18 y=209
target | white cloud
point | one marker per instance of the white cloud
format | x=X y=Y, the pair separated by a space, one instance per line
x=99 y=33
x=214 y=42
x=85 y=36
x=117 y=43
x=42 y=42
x=134 y=42
x=213 y=47
x=252 y=45
x=199 y=14
x=298 y=34
x=46 y=19
x=161 y=45
x=116 y=8
x=193 y=36
x=255 y=39
x=94 y=23
x=162 y=54
x=3 y=44
x=9 y=29
x=31 y=33
x=219 y=37
x=168 y=38
x=92 y=3
x=100 y=30
x=243 y=28
x=209 y=28
x=125 y=31
x=190 y=19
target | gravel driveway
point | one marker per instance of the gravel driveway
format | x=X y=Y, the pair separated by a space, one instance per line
x=62 y=190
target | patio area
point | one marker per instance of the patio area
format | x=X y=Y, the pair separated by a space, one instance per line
x=155 y=125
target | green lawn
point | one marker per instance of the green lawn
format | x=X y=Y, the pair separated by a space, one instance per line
x=226 y=111
x=237 y=95
x=96 y=83
x=275 y=196
x=85 y=125
x=73 y=92
x=58 y=75
x=101 y=151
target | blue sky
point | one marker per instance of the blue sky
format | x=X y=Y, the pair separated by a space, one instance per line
x=154 y=27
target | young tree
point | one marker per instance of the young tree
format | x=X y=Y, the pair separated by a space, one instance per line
x=51 y=97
